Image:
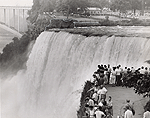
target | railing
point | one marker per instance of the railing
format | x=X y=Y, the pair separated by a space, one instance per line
x=14 y=17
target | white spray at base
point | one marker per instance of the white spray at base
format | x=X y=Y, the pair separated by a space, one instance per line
x=57 y=68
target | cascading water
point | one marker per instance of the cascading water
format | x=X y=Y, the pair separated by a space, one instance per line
x=58 y=66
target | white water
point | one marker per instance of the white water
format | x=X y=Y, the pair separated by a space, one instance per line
x=57 y=68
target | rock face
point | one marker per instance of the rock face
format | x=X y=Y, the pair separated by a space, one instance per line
x=61 y=23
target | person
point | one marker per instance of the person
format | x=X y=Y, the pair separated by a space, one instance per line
x=146 y=71
x=124 y=76
x=99 y=113
x=113 y=76
x=130 y=106
x=94 y=88
x=101 y=68
x=132 y=70
x=86 y=107
x=149 y=71
x=125 y=71
x=142 y=71
x=91 y=111
x=108 y=73
x=95 y=97
x=146 y=113
x=110 y=105
x=99 y=78
x=106 y=76
x=128 y=113
x=120 y=68
x=101 y=103
x=118 y=76
x=102 y=92
x=128 y=71
x=91 y=102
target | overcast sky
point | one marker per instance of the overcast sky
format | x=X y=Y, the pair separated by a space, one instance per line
x=16 y=2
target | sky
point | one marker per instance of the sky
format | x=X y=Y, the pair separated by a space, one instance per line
x=16 y=2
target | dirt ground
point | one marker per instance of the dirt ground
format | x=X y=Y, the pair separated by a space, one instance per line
x=119 y=96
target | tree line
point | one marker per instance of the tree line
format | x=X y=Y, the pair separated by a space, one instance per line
x=79 y=6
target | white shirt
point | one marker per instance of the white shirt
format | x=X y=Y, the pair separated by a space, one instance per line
x=100 y=104
x=128 y=114
x=91 y=112
x=133 y=70
x=113 y=73
x=125 y=71
x=95 y=96
x=102 y=91
x=91 y=102
x=99 y=91
x=109 y=103
x=118 y=71
x=99 y=114
x=142 y=71
x=146 y=114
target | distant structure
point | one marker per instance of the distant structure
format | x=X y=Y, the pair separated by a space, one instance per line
x=93 y=11
x=15 y=17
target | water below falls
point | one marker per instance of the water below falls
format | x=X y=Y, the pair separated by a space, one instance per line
x=57 y=68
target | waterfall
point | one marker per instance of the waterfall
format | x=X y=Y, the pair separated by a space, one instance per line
x=57 y=68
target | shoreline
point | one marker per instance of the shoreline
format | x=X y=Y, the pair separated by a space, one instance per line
x=118 y=31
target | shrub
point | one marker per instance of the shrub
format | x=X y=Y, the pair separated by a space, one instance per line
x=86 y=24
x=107 y=23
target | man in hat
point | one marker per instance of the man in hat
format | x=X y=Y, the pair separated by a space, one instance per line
x=128 y=113
x=128 y=104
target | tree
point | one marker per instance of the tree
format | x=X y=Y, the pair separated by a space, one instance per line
x=147 y=3
x=120 y=5
x=136 y=5
x=124 y=5
x=40 y=6
x=47 y=6
x=73 y=5
x=99 y=3
x=139 y=82
x=33 y=13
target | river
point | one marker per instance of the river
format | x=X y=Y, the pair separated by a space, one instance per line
x=5 y=38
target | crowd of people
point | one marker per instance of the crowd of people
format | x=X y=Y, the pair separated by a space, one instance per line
x=97 y=105
x=117 y=76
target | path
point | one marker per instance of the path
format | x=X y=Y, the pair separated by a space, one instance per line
x=120 y=94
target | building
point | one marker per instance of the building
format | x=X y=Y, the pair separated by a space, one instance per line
x=93 y=11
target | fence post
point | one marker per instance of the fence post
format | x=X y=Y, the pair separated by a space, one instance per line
x=4 y=15
x=18 y=20
x=14 y=17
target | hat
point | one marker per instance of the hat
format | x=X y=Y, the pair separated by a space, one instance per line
x=87 y=98
x=127 y=100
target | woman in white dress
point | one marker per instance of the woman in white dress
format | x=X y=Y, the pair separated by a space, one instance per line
x=113 y=76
